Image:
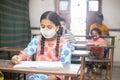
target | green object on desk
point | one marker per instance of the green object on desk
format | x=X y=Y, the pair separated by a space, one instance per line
x=1 y=76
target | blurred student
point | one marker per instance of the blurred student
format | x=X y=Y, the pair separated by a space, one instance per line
x=95 y=52
x=99 y=24
x=48 y=46
x=67 y=34
x=97 y=41
x=63 y=25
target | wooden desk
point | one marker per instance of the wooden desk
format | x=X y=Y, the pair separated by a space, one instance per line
x=80 y=46
x=82 y=54
x=10 y=50
x=69 y=70
x=109 y=59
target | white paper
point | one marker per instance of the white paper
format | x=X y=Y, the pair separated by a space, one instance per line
x=39 y=64
x=80 y=45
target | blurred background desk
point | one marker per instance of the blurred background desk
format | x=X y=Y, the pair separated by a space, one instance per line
x=10 y=50
x=107 y=60
x=81 y=54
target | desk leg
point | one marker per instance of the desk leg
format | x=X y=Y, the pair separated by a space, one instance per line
x=66 y=77
x=111 y=63
x=82 y=68
x=24 y=75
x=21 y=75
x=9 y=55
x=74 y=78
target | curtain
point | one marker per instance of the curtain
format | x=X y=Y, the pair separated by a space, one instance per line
x=14 y=23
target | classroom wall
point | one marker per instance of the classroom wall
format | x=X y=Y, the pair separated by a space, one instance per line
x=36 y=8
x=110 y=9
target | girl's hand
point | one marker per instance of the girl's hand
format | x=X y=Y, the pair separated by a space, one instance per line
x=97 y=44
x=52 y=77
x=16 y=59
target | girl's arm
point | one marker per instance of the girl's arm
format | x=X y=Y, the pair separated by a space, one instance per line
x=65 y=56
x=28 y=51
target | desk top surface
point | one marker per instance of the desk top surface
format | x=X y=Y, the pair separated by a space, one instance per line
x=82 y=53
x=11 y=49
x=69 y=69
x=92 y=45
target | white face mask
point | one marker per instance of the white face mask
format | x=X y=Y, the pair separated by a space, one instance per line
x=63 y=26
x=48 y=34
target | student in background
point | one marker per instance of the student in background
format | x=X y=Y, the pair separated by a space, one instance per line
x=96 y=52
x=63 y=25
x=67 y=34
x=99 y=24
x=49 y=46
x=97 y=40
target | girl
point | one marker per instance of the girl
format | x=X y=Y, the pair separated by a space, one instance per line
x=49 y=46
x=97 y=41
x=96 y=52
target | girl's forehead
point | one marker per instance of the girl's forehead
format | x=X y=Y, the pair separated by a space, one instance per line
x=46 y=21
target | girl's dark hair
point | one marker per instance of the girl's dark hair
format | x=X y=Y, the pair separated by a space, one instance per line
x=97 y=30
x=100 y=15
x=54 y=17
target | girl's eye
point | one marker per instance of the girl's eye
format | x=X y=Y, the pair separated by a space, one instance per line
x=42 y=26
x=49 y=27
x=46 y=26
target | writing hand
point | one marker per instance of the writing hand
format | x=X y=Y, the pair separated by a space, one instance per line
x=16 y=59
x=52 y=77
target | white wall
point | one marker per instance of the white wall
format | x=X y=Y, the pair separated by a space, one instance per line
x=36 y=8
x=111 y=11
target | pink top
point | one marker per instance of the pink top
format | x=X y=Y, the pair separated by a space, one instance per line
x=97 y=50
x=49 y=51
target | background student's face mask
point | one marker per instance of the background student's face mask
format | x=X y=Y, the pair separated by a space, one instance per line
x=95 y=37
x=63 y=26
x=49 y=33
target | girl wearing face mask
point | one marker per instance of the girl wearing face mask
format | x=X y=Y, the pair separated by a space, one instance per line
x=97 y=40
x=49 y=46
x=96 y=52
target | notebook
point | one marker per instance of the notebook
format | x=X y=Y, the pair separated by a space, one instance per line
x=39 y=64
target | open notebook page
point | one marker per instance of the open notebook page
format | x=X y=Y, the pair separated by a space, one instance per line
x=39 y=64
